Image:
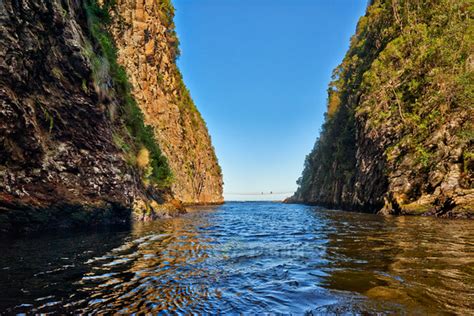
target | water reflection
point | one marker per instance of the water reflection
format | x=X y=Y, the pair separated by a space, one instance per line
x=160 y=268
x=422 y=264
x=248 y=257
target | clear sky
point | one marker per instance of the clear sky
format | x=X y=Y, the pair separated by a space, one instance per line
x=258 y=70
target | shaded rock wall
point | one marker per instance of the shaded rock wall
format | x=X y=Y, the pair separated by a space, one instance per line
x=66 y=158
x=55 y=135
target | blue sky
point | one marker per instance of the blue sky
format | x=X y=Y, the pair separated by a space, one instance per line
x=258 y=71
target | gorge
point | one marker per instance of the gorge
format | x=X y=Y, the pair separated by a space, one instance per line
x=112 y=194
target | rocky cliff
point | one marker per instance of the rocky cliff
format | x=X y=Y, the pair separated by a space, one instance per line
x=84 y=140
x=398 y=136
x=148 y=48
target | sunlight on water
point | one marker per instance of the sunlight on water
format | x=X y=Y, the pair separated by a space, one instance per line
x=248 y=257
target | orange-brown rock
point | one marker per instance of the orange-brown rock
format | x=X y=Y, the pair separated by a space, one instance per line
x=147 y=44
x=68 y=156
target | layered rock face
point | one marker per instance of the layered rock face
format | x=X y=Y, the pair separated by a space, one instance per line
x=73 y=148
x=55 y=136
x=398 y=136
x=148 y=48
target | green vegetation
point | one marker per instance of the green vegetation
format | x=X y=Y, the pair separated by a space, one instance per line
x=167 y=11
x=409 y=71
x=185 y=101
x=167 y=16
x=57 y=73
x=47 y=115
x=105 y=70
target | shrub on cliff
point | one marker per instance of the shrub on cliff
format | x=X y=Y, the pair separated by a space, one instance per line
x=408 y=73
x=106 y=68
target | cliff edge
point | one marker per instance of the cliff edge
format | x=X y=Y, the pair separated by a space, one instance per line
x=398 y=136
x=84 y=136
x=148 y=48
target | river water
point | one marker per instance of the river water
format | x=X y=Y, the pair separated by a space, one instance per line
x=247 y=258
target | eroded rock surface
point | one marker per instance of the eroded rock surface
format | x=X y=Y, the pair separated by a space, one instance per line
x=148 y=47
x=60 y=161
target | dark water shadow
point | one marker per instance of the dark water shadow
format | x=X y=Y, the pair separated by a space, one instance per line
x=46 y=267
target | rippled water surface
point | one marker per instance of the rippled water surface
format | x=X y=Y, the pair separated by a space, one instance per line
x=248 y=257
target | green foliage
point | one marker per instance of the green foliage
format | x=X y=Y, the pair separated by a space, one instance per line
x=468 y=157
x=423 y=156
x=167 y=16
x=167 y=10
x=121 y=143
x=57 y=73
x=185 y=101
x=421 y=77
x=105 y=69
x=409 y=69
x=84 y=86
x=467 y=134
x=48 y=117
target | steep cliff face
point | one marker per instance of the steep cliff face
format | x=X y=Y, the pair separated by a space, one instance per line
x=398 y=136
x=74 y=148
x=148 y=48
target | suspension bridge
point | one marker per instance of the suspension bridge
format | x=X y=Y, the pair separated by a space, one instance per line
x=266 y=193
